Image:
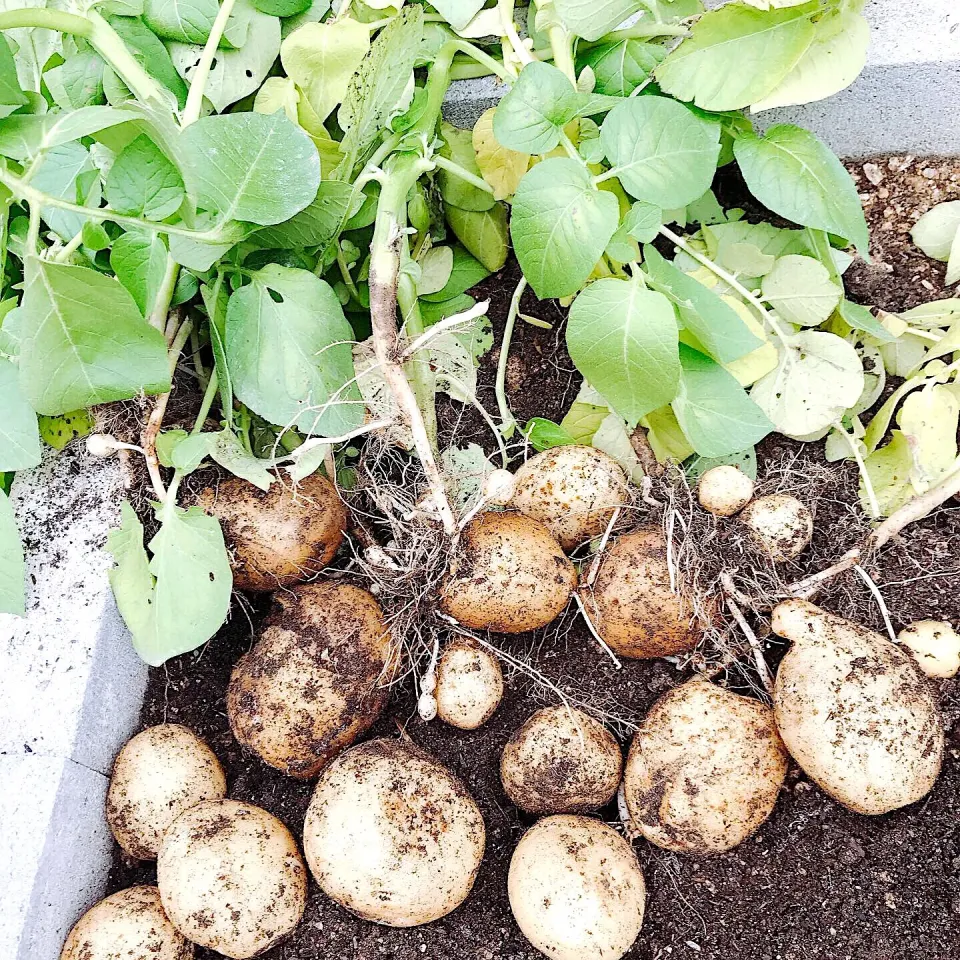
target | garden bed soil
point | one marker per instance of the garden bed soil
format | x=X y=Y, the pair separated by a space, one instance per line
x=817 y=882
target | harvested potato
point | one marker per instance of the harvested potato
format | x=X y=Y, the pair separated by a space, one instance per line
x=935 y=645
x=704 y=769
x=469 y=684
x=780 y=525
x=631 y=604
x=724 y=490
x=508 y=575
x=392 y=835
x=573 y=490
x=231 y=878
x=157 y=775
x=854 y=711
x=277 y=537
x=576 y=889
x=128 y=925
x=561 y=761
x=315 y=680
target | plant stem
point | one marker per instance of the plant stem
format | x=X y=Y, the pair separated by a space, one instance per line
x=161 y=303
x=198 y=83
x=640 y=31
x=456 y=170
x=509 y=423
x=206 y=403
x=484 y=59
x=562 y=52
x=420 y=374
x=862 y=467
x=505 y=9
x=345 y=274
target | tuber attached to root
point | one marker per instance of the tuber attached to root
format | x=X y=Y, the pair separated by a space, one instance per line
x=935 y=645
x=724 y=490
x=469 y=684
x=780 y=525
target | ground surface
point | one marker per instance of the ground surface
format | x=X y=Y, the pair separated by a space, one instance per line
x=817 y=882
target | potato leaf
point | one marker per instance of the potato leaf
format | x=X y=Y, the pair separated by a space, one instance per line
x=139 y=259
x=934 y=233
x=458 y=13
x=314 y=226
x=142 y=181
x=591 y=19
x=889 y=471
x=929 y=420
x=12 y=568
x=500 y=166
x=189 y=21
x=801 y=291
x=57 y=432
x=11 y=96
x=619 y=68
x=466 y=271
x=483 y=233
x=458 y=146
x=19 y=436
x=531 y=116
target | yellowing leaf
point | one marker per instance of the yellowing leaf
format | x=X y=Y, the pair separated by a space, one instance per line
x=758 y=363
x=929 y=421
x=501 y=167
x=278 y=93
x=889 y=471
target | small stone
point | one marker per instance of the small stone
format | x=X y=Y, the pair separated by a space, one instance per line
x=883 y=193
x=930 y=173
x=873 y=173
x=852 y=853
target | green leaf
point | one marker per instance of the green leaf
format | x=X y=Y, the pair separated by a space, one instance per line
x=68 y=173
x=458 y=13
x=23 y=136
x=57 y=432
x=794 y=174
x=316 y=225
x=139 y=260
x=621 y=67
x=230 y=453
x=591 y=19
x=177 y=600
x=544 y=434
x=434 y=312
x=623 y=339
x=84 y=341
x=643 y=221
x=458 y=146
x=467 y=271
x=744 y=460
x=167 y=441
x=737 y=55
x=11 y=96
x=727 y=244
x=660 y=151
x=583 y=420
x=13 y=571
x=432 y=271
x=531 y=116
x=19 y=436
x=889 y=471
x=801 y=291
x=282 y=8
x=716 y=415
x=935 y=231
x=148 y=50
x=94 y=237
x=560 y=225
x=483 y=233
x=142 y=181
x=189 y=21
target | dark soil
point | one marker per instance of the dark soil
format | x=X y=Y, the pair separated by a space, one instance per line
x=817 y=882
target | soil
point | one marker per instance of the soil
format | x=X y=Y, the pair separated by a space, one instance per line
x=816 y=882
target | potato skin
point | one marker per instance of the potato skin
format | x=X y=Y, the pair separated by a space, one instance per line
x=779 y=524
x=724 y=490
x=631 y=604
x=128 y=925
x=279 y=537
x=421 y=833
x=509 y=575
x=315 y=680
x=573 y=490
x=469 y=684
x=704 y=769
x=158 y=774
x=561 y=760
x=231 y=878
x=576 y=889
x=855 y=711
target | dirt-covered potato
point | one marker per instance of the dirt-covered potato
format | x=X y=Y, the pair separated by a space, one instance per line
x=157 y=775
x=392 y=835
x=724 y=490
x=561 y=761
x=573 y=490
x=231 y=878
x=469 y=684
x=631 y=604
x=508 y=575
x=704 y=769
x=128 y=925
x=278 y=537
x=779 y=524
x=315 y=680
x=854 y=711
x=935 y=645
x=576 y=889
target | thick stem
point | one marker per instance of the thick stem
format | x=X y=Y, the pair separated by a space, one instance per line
x=454 y=168
x=161 y=303
x=420 y=374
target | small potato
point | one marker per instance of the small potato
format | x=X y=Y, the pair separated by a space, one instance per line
x=935 y=645
x=157 y=775
x=576 y=889
x=509 y=575
x=315 y=680
x=854 y=711
x=573 y=490
x=128 y=925
x=278 y=537
x=561 y=761
x=704 y=769
x=469 y=684
x=231 y=878
x=392 y=835
x=631 y=604
x=780 y=525
x=724 y=490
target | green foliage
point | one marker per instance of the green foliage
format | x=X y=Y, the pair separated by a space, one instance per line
x=142 y=181
x=57 y=432
x=19 y=436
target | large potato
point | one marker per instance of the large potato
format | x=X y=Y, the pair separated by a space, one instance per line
x=469 y=684
x=508 y=575
x=315 y=680
x=129 y=925
x=631 y=604
x=278 y=537
x=855 y=711
x=392 y=835
x=576 y=889
x=561 y=761
x=231 y=878
x=573 y=490
x=704 y=769
x=157 y=775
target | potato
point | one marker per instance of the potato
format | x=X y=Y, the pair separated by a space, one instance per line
x=392 y=835
x=469 y=684
x=573 y=490
x=231 y=878
x=508 y=575
x=561 y=761
x=704 y=769
x=935 y=645
x=157 y=775
x=631 y=604
x=724 y=490
x=278 y=537
x=315 y=680
x=128 y=925
x=780 y=525
x=576 y=889
x=854 y=711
